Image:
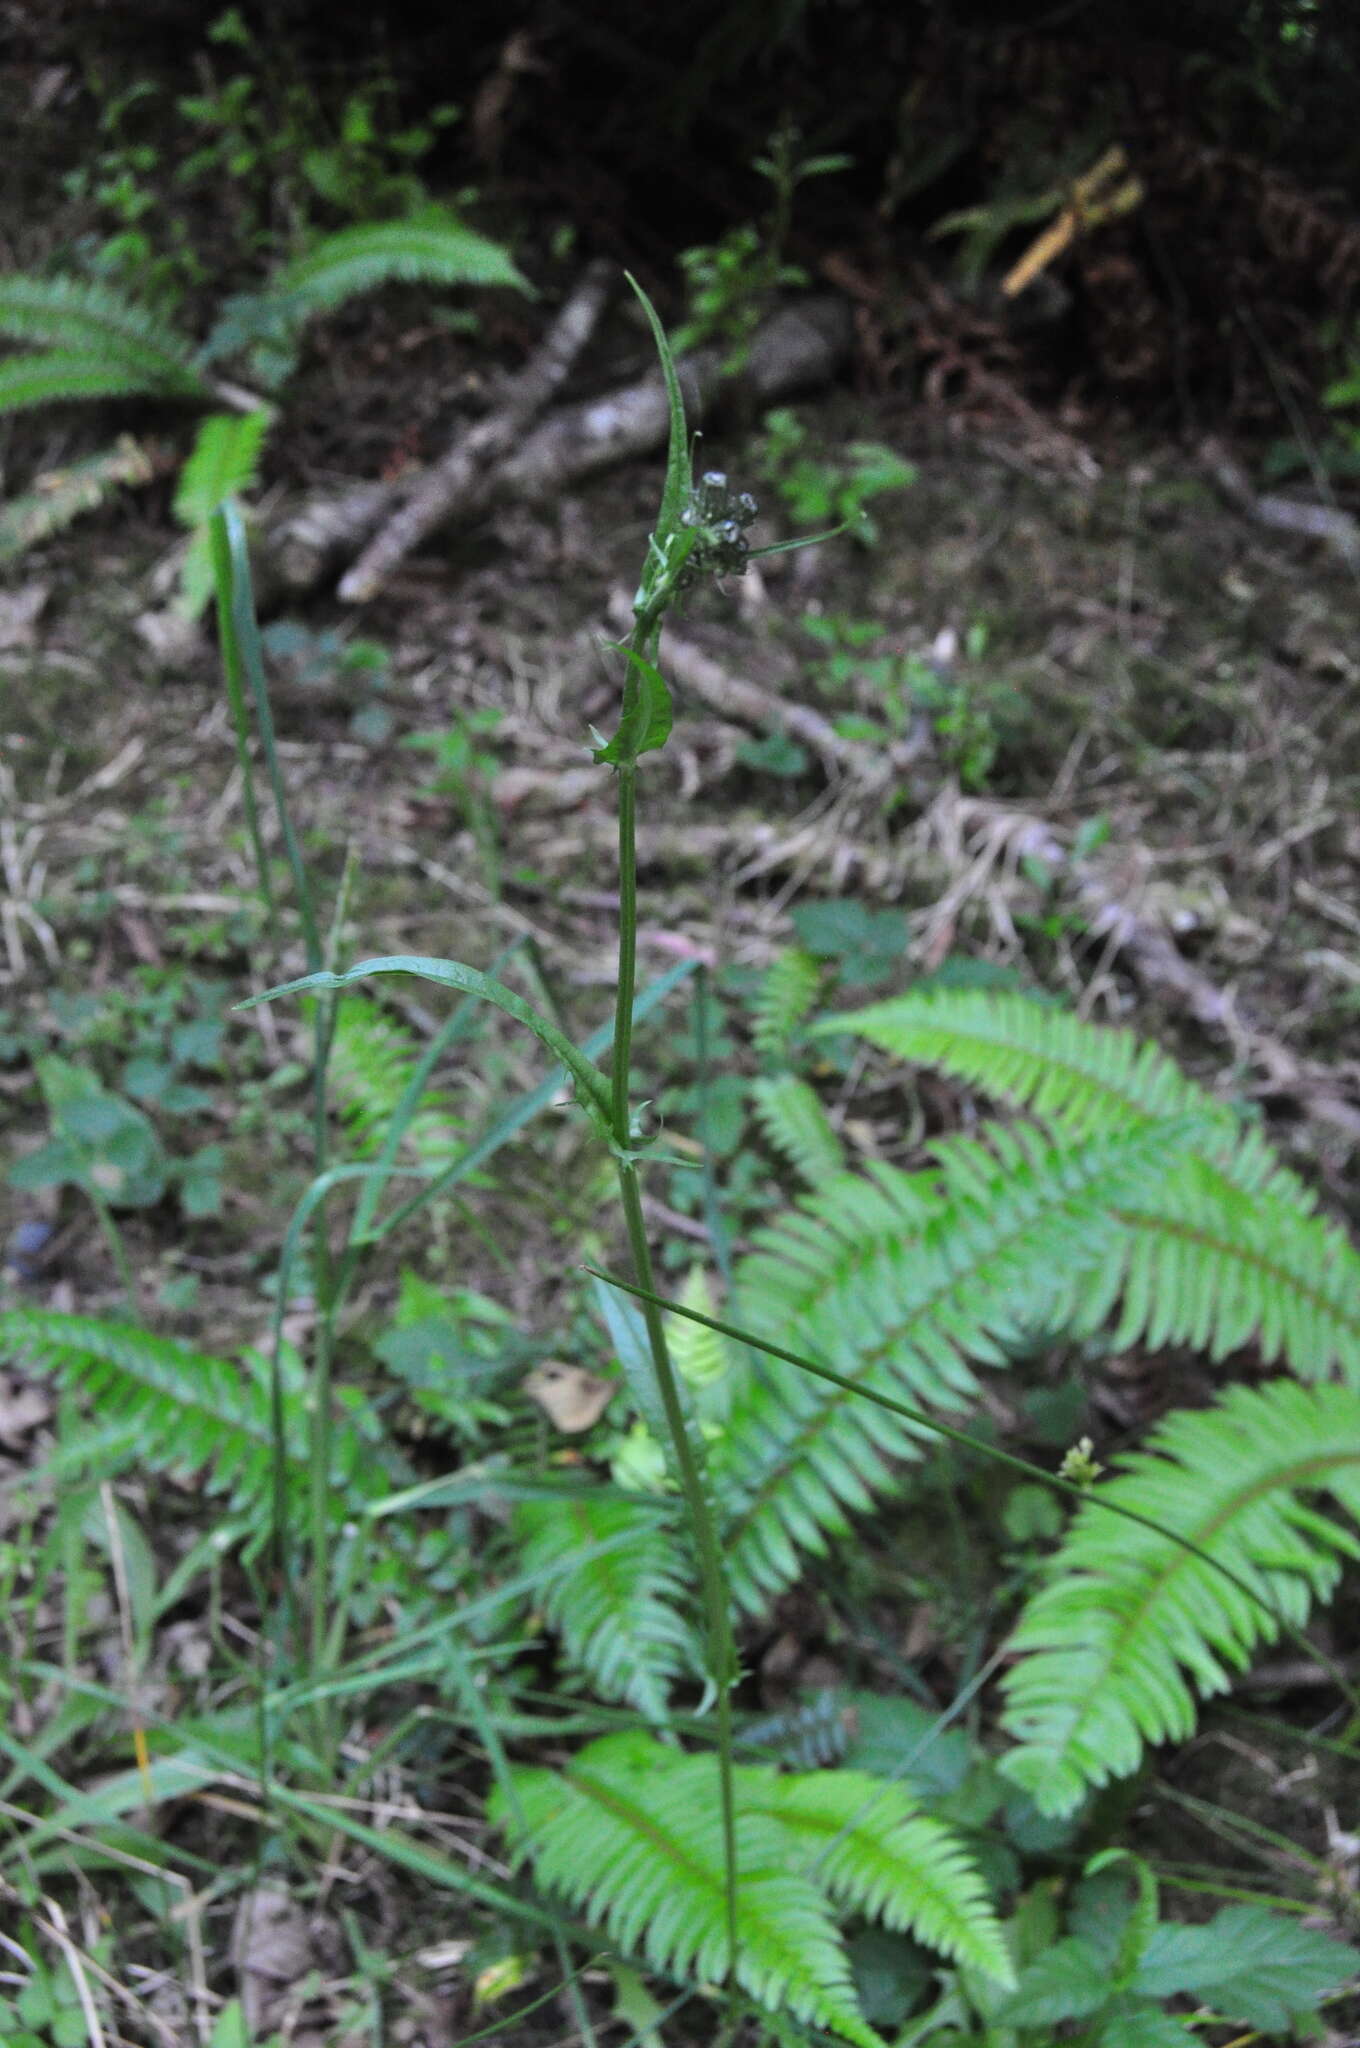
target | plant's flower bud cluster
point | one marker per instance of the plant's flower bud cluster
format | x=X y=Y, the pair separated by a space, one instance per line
x=721 y=516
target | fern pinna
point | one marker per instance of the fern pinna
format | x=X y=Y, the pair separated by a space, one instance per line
x=630 y=1832
x=93 y=341
x=83 y=338
x=618 y=1607
x=1231 y=1252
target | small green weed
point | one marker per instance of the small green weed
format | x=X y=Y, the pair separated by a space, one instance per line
x=256 y=128
x=465 y=769
x=732 y=285
x=823 y=488
x=890 y=690
x=314 y=658
x=119 y=1141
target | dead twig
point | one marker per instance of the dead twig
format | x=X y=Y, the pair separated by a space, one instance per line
x=455 y=475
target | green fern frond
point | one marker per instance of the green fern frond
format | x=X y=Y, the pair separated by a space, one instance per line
x=619 y=1615
x=791 y=1115
x=1202 y=1264
x=86 y=324
x=631 y=1831
x=788 y=990
x=1131 y=1625
x=806 y=1735
x=1076 y=1076
x=902 y=1288
x=863 y=1840
x=224 y=462
x=56 y=375
x=372 y=1057
x=1228 y=1251
x=192 y=1411
x=432 y=247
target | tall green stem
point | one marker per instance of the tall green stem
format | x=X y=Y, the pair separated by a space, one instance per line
x=623 y=1003
x=722 y=1657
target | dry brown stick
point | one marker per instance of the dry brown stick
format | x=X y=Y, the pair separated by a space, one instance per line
x=800 y=346
x=455 y=475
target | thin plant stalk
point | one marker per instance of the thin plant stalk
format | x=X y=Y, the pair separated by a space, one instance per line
x=243 y=665
x=722 y=1656
x=722 y=1653
x=695 y=530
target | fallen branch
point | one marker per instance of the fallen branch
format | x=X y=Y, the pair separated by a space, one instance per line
x=455 y=476
x=800 y=346
x=1327 y=523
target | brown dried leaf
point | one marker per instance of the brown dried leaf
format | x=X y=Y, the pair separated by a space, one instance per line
x=572 y=1398
x=271 y=1947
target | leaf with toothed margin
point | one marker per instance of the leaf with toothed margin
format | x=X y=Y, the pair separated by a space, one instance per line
x=645 y=722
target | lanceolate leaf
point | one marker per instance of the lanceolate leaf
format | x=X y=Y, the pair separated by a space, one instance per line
x=675 y=492
x=590 y=1087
